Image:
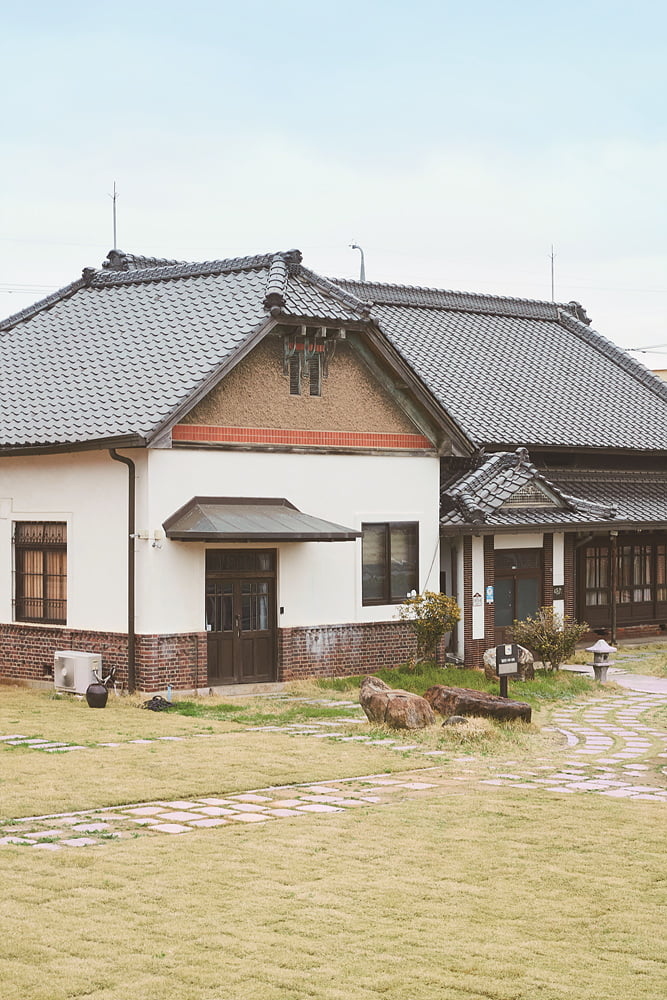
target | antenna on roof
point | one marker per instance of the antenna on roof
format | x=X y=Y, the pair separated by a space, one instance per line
x=552 y=256
x=114 y=199
x=362 y=269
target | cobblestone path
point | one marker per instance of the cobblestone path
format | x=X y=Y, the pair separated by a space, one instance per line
x=610 y=746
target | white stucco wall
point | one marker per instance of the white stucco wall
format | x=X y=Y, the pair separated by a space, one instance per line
x=318 y=582
x=88 y=490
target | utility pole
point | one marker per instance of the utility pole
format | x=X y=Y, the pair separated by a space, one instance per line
x=114 y=199
x=552 y=255
x=362 y=269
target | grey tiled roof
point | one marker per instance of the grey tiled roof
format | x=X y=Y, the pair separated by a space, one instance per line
x=637 y=496
x=115 y=353
x=119 y=351
x=477 y=498
x=515 y=371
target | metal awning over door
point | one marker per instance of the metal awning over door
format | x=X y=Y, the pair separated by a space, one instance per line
x=251 y=519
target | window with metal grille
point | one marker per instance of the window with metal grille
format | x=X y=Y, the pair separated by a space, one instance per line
x=529 y=496
x=390 y=561
x=295 y=375
x=40 y=566
x=315 y=375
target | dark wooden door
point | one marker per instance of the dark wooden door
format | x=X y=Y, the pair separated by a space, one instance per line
x=240 y=616
x=517 y=588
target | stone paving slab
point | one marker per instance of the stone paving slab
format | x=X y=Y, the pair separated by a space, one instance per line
x=610 y=752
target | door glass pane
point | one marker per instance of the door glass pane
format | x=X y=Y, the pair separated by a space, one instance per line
x=254 y=606
x=219 y=606
x=374 y=570
x=513 y=559
x=504 y=602
x=527 y=597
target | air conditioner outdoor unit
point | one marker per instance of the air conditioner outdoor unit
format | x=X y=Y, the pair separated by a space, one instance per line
x=73 y=671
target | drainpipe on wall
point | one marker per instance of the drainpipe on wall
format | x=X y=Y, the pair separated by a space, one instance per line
x=130 y=564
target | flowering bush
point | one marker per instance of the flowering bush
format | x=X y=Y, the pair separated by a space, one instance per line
x=550 y=637
x=430 y=616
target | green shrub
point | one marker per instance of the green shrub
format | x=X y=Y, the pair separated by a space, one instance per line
x=430 y=616
x=550 y=637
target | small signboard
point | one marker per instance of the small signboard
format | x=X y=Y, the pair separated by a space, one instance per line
x=477 y=600
x=559 y=592
x=489 y=594
x=507 y=659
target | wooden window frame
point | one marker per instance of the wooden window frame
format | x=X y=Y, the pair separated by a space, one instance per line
x=45 y=546
x=388 y=526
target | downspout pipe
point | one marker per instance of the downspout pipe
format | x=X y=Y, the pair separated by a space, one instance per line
x=131 y=494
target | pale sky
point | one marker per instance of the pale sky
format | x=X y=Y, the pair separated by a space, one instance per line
x=454 y=142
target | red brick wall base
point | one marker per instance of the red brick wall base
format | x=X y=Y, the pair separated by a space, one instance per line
x=26 y=652
x=343 y=650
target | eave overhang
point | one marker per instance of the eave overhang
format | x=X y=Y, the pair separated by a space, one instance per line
x=251 y=519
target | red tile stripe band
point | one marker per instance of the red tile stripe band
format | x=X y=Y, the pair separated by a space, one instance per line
x=322 y=439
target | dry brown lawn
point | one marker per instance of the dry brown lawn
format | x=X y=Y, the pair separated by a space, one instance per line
x=471 y=893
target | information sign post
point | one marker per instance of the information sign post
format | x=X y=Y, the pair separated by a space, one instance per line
x=507 y=663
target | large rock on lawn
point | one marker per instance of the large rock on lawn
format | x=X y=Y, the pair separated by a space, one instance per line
x=526 y=670
x=395 y=708
x=465 y=701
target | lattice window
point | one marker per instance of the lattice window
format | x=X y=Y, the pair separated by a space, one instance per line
x=40 y=562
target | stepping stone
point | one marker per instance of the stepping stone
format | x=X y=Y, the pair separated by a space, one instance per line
x=319 y=808
x=41 y=834
x=145 y=811
x=141 y=741
x=208 y=822
x=47 y=847
x=252 y=817
x=284 y=813
x=178 y=804
x=216 y=802
x=215 y=811
x=15 y=840
x=108 y=744
x=173 y=738
x=12 y=736
x=287 y=803
x=78 y=841
x=251 y=797
x=90 y=827
x=249 y=807
x=180 y=816
x=417 y=786
x=171 y=828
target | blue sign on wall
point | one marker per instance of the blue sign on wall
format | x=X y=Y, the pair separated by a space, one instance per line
x=489 y=595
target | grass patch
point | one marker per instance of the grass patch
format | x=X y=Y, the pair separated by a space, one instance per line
x=484 y=895
x=261 y=711
x=547 y=686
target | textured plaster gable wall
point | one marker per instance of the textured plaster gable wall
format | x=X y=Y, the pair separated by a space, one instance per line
x=256 y=394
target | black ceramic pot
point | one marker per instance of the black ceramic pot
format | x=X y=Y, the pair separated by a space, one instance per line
x=96 y=695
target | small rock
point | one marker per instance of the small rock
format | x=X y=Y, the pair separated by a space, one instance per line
x=526 y=669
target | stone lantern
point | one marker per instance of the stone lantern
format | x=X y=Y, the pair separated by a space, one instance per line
x=601 y=661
